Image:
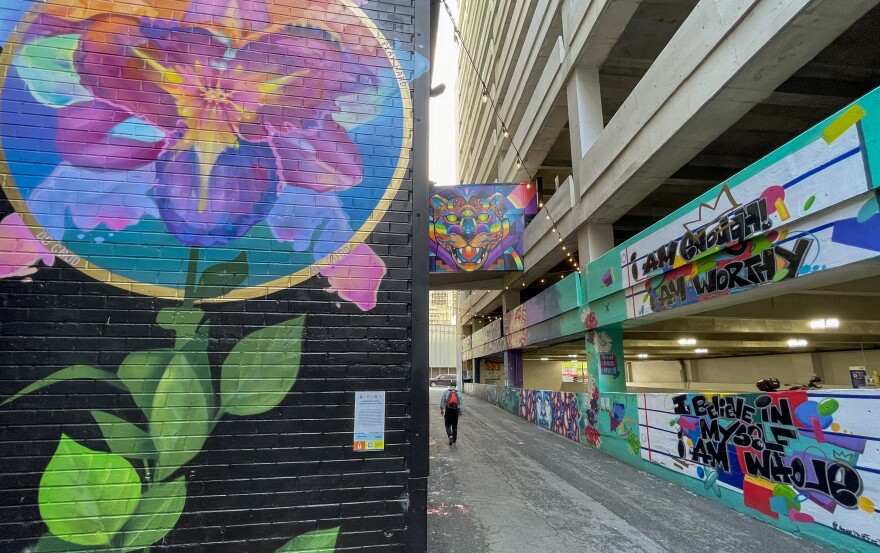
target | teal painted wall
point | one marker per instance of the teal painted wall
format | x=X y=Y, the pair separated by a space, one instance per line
x=824 y=447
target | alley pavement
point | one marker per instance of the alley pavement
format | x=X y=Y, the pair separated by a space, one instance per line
x=509 y=486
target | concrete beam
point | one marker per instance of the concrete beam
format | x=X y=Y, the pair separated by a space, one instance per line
x=725 y=58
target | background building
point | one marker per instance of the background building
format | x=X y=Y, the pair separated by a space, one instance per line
x=709 y=219
x=444 y=336
x=627 y=111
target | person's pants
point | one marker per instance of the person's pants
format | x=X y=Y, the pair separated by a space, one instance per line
x=451 y=420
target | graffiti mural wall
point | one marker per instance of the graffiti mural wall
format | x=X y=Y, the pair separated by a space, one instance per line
x=806 y=461
x=808 y=207
x=805 y=457
x=194 y=224
x=479 y=227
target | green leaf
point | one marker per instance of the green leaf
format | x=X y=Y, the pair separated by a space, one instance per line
x=75 y=372
x=46 y=67
x=86 y=496
x=183 y=321
x=220 y=279
x=141 y=372
x=156 y=515
x=180 y=419
x=319 y=541
x=198 y=360
x=261 y=369
x=124 y=438
x=53 y=544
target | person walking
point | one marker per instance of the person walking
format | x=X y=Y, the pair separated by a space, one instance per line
x=450 y=408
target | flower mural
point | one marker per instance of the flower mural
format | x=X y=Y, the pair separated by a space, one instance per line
x=194 y=150
x=213 y=124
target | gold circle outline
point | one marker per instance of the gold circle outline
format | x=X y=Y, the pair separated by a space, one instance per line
x=57 y=248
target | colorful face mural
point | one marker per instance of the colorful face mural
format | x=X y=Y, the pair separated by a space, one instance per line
x=805 y=457
x=606 y=421
x=543 y=409
x=141 y=136
x=479 y=227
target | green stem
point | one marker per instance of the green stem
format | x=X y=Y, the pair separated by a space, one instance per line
x=191 y=274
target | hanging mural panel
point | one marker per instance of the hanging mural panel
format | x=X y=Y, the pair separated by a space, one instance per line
x=479 y=227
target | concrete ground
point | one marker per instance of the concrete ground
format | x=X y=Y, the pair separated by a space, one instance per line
x=509 y=486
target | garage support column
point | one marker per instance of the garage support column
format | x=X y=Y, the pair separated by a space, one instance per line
x=594 y=240
x=604 y=346
x=584 y=111
x=513 y=366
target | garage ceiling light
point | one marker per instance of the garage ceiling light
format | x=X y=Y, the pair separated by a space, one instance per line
x=687 y=341
x=545 y=359
x=642 y=356
x=572 y=355
x=797 y=343
x=701 y=350
x=822 y=324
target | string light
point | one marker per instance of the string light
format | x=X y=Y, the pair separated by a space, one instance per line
x=505 y=132
x=485 y=96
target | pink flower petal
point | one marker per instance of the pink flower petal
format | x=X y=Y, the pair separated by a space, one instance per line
x=20 y=249
x=84 y=138
x=357 y=276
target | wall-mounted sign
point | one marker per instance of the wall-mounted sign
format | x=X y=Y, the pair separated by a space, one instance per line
x=479 y=227
x=608 y=364
x=369 y=421
x=573 y=371
x=491 y=370
x=858 y=376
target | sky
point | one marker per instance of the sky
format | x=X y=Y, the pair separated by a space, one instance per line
x=443 y=162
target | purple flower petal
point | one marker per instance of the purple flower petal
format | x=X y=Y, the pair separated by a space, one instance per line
x=116 y=199
x=319 y=155
x=240 y=193
x=302 y=216
x=84 y=138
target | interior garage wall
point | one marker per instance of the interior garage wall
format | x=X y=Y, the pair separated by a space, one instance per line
x=547 y=375
x=739 y=374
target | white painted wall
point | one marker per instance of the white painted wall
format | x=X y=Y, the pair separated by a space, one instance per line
x=739 y=374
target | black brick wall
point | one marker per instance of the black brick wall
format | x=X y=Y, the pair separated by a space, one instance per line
x=258 y=481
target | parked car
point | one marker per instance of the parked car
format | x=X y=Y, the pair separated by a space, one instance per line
x=442 y=380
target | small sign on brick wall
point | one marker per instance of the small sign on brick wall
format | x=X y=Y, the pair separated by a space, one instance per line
x=369 y=421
